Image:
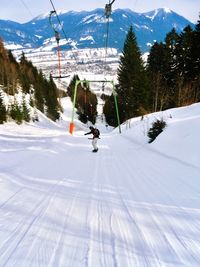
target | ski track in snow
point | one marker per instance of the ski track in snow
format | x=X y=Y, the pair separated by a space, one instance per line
x=116 y=208
x=162 y=218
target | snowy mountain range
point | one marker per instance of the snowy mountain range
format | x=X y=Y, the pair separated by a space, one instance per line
x=88 y=29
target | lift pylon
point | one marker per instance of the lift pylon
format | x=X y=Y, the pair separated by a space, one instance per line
x=71 y=127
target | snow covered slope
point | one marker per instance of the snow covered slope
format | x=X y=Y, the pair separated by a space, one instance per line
x=132 y=204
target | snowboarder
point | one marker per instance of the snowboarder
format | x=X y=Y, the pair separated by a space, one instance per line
x=95 y=138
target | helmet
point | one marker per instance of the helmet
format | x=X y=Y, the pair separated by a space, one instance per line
x=91 y=127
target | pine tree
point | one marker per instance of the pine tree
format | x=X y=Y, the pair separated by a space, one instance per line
x=71 y=87
x=171 y=63
x=12 y=70
x=25 y=111
x=196 y=49
x=156 y=66
x=3 y=112
x=91 y=106
x=8 y=71
x=39 y=92
x=132 y=89
x=16 y=113
x=157 y=128
x=3 y=61
x=86 y=101
x=24 y=79
x=163 y=67
x=110 y=111
x=184 y=53
x=184 y=69
x=51 y=100
x=196 y=60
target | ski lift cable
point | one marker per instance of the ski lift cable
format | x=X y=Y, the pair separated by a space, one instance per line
x=50 y=19
x=106 y=40
x=108 y=11
x=27 y=8
x=112 y=2
x=57 y=36
x=61 y=25
x=54 y=9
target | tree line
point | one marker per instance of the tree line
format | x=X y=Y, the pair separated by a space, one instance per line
x=23 y=78
x=171 y=77
x=37 y=91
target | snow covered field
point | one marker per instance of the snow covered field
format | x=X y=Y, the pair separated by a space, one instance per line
x=132 y=204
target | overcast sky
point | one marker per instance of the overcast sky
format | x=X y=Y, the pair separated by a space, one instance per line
x=25 y=10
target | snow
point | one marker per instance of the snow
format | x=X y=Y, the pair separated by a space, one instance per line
x=51 y=43
x=145 y=55
x=93 y=18
x=38 y=36
x=87 y=38
x=46 y=15
x=154 y=14
x=131 y=204
x=167 y=10
x=145 y=27
x=124 y=16
x=12 y=46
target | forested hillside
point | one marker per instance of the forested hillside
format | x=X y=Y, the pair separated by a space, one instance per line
x=170 y=79
x=23 y=88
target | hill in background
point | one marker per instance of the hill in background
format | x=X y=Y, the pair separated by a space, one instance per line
x=88 y=29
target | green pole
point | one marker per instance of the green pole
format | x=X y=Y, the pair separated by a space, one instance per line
x=73 y=109
x=74 y=100
x=116 y=106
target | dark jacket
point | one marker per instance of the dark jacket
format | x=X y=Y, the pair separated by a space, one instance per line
x=95 y=133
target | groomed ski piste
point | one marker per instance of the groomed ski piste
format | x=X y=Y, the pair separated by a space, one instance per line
x=132 y=204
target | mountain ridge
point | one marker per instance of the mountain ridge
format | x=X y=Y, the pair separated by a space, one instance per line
x=78 y=25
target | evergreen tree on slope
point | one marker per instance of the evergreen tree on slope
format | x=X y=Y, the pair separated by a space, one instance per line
x=51 y=100
x=156 y=66
x=3 y=112
x=196 y=60
x=196 y=49
x=132 y=81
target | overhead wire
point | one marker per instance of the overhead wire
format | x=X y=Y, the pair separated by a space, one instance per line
x=57 y=37
x=63 y=31
x=58 y=19
x=27 y=8
x=108 y=11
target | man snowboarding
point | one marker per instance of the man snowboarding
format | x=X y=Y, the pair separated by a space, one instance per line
x=95 y=138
